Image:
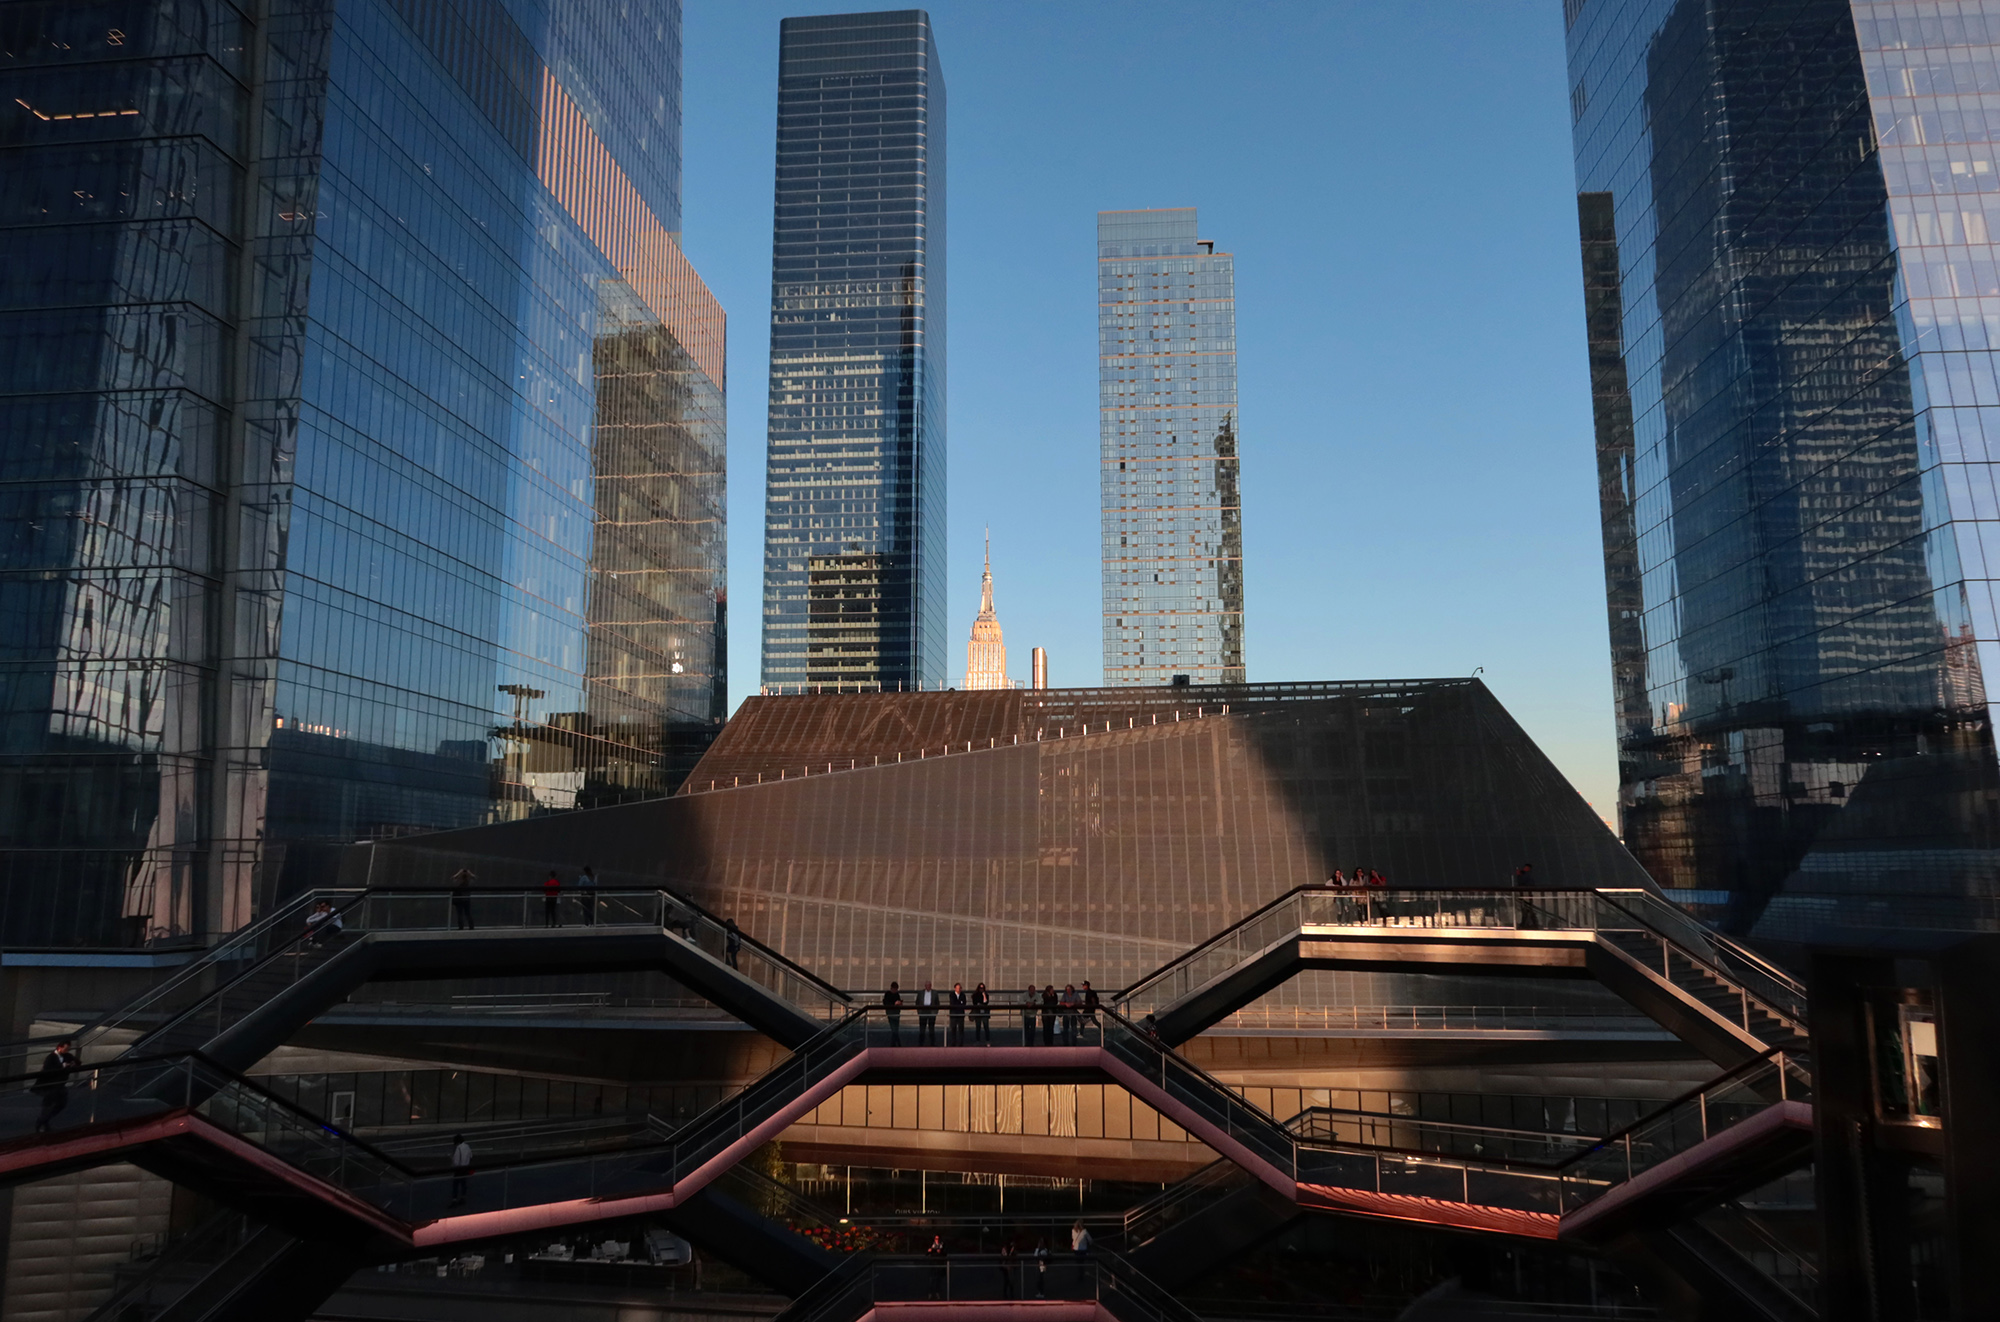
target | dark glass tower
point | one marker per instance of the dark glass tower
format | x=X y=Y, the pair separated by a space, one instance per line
x=1173 y=506
x=363 y=441
x=1793 y=312
x=854 y=532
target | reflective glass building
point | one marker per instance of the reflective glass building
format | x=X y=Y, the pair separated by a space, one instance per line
x=363 y=436
x=854 y=531
x=1173 y=515
x=1793 y=305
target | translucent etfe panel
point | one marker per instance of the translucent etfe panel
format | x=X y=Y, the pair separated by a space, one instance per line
x=854 y=486
x=1788 y=328
x=1172 y=509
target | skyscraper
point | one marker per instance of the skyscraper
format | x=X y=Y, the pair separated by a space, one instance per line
x=1793 y=315
x=854 y=546
x=1173 y=518
x=363 y=461
x=986 y=653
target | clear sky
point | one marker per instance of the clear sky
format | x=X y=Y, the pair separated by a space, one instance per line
x=1419 y=493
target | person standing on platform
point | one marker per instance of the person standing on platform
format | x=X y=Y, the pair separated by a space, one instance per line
x=927 y=1007
x=586 y=894
x=461 y=1169
x=551 y=898
x=1050 y=1004
x=955 y=1034
x=732 y=942
x=982 y=1016
x=461 y=900
x=1029 y=1000
x=1072 y=1005
x=892 y=1006
x=1091 y=1005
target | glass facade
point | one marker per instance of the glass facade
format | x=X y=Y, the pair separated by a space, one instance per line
x=854 y=516
x=1793 y=315
x=1173 y=514
x=364 y=441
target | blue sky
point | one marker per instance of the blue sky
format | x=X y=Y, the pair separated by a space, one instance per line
x=1394 y=178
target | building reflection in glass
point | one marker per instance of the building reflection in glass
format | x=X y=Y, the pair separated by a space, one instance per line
x=1798 y=611
x=306 y=491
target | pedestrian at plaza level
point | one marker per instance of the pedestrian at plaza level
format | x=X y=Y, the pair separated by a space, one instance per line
x=927 y=1008
x=955 y=1035
x=1029 y=1000
x=892 y=1007
x=461 y=1169
x=1009 y=1254
x=1050 y=1004
x=982 y=1015
x=551 y=899
x=1072 y=1006
x=1091 y=1005
x=586 y=888
x=1041 y=1269
x=1079 y=1239
x=732 y=942
x=52 y=1083
x=461 y=900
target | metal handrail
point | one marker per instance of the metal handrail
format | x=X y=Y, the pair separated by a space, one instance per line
x=350 y=904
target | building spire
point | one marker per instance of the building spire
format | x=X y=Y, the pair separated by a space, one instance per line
x=986 y=654
x=986 y=581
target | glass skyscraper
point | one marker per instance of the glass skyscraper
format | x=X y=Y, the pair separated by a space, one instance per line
x=363 y=441
x=1173 y=515
x=854 y=530
x=1793 y=306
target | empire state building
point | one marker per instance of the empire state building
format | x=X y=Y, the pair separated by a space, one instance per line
x=986 y=655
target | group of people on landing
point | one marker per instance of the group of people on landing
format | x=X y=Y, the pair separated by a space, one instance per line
x=1367 y=877
x=1066 y=1016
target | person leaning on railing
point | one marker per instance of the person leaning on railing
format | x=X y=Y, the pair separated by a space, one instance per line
x=892 y=1010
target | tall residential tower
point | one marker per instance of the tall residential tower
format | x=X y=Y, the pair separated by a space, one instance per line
x=1793 y=311
x=1173 y=518
x=854 y=532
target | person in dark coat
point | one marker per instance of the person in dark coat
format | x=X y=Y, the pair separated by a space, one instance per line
x=892 y=1005
x=461 y=900
x=52 y=1083
x=982 y=1016
x=732 y=943
x=955 y=1035
x=1029 y=1000
x=927 y=1008
x=1051 y=1006
x=1091 y=1002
